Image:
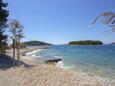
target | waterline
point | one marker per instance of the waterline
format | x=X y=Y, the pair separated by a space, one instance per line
x=93 y=60
x=33 y=52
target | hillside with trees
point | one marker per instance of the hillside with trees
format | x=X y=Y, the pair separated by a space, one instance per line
x=35 y=43
x=86 y=42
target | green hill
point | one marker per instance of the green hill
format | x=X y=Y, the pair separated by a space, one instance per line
x=86 y=42
x=113 y=43
x=35 y=43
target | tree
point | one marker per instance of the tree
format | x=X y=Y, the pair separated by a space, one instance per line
x=108 y=18
x=85 y=42
x=3 y=19
x=16 y=29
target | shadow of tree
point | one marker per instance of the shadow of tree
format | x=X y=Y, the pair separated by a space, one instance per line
x=7 y=62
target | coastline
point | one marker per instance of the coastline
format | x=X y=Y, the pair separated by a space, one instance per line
x=30 y=58
x=33 y=52
x=59 y=64
x=47 y=75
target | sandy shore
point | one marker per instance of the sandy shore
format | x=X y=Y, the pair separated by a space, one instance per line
x=27 y=57
x=31 y=59
x=47 y=75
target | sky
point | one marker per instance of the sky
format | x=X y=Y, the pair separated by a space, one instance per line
x=61 y=21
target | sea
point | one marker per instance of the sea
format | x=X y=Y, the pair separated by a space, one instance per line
x=94 y=60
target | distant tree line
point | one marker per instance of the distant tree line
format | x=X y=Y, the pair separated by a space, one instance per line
x=35 y=43
x=29 y=43
x=86 y=42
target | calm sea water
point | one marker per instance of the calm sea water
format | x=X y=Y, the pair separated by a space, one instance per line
x=93 y=60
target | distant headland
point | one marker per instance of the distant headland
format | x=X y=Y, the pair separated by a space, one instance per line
x=85 y=42
x=36 y=43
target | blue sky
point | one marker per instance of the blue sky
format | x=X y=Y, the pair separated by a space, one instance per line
x=61 y=21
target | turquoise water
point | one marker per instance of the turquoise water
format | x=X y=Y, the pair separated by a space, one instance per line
x=93 y=60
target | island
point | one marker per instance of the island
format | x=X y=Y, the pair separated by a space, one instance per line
x=86 y=42
x=113 y=43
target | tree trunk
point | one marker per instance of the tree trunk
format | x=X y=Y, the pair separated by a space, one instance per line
x=18 y=52
x=14 y=42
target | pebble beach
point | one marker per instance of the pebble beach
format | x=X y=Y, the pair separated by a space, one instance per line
x=46 y=75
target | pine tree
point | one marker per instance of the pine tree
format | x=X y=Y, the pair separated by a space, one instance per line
x=3 y=19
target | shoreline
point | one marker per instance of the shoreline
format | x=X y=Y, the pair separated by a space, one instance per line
x=30 y=58
x=43 y=74
x=33 y=52
x=61 y=65
x=48 y=75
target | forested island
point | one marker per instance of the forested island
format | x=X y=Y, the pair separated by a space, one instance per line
x=86 y=42
x=113 y=43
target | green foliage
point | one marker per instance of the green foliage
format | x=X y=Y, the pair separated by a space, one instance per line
x=3 y=19
x=2 y=49
x=35 y=43
x=22 y=45
x=29 y=43
x=3 y=14
x=86 y=42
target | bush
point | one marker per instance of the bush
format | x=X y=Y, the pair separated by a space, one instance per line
x=22 y=45
x=2 y=49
